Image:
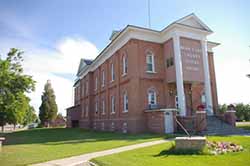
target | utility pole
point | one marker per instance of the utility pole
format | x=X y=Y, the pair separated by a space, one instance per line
x=149 y=21
x=248 y=75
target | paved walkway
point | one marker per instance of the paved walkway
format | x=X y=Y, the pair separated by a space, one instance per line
x=83 y=159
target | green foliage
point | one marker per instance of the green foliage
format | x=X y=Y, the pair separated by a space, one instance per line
x=222 y=108
x=13 y=86
x=243 y=111
x=30 y=116
x=48 y=108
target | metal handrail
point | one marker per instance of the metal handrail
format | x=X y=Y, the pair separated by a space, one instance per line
x=182 y=127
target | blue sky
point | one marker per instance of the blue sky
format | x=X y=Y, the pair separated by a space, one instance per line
x=56 y=34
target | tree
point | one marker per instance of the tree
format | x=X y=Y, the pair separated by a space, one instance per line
x=30 y=116
x=14 y=84
x=48 y=108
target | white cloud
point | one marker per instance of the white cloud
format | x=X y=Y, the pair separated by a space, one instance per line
x=53 y=64
x=231 y=66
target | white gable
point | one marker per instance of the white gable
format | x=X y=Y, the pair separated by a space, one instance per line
x=193 y=21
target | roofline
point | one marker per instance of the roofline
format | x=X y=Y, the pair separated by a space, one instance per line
x=209 y=31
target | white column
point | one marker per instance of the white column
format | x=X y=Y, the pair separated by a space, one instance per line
x=179 y=76
x=209 y=103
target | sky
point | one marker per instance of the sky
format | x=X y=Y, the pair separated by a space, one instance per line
x=55 y=34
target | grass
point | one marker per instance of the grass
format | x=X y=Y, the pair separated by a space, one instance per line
x=39 y=145
x=159 y=155
x=244 y=125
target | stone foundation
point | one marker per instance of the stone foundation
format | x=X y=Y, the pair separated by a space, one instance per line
x=192 y=143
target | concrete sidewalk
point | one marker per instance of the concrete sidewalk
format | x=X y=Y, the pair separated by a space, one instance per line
x=83 y=159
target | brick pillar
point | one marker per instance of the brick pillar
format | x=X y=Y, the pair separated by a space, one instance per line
x=201 y=121
x=230 y=117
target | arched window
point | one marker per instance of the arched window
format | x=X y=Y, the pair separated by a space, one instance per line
x=124 y=64
x=150 y=62
x=125 y=102
x=151 y=98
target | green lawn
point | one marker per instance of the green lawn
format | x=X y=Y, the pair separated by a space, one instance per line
x=244 y=125
x=157 y=156
x=38 y=145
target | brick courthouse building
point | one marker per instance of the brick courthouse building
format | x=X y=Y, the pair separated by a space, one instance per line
x=146 y=79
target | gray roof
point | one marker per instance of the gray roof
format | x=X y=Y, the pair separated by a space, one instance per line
x=83 y=64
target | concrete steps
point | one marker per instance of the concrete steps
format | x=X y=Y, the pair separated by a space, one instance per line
x=216 y=126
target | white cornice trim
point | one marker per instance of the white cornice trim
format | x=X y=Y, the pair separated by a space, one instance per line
x=133 y=32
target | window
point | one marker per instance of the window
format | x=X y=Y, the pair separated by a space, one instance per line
x=83 y=90
x=170 y=62
x=103 y=78
x=125 y=102
x=151 y=98
x=103 y=106
x=87 y=88
x=203 y=98
x=150 y=62
x=96 y=82
x=83 y=111
x=112 y=72
x=96 y=107
x=112 y=104
x=87 y=110
x=124 y=65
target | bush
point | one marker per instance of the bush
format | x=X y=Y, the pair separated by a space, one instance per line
x=222 y=108
x=243 y=111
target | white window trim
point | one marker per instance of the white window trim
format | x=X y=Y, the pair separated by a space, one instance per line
x=87 y=110
x=125 y=99
x=87 y=88
x=96 y=83
x=83 y=91
x=103 y=107
x=124 y=65
x=103 y=78
x=96 y=107
x=153 y=62
x=149 y=97
x=112 y=73
x=112 y=104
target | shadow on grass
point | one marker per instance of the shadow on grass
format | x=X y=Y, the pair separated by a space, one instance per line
x=69 y=136
x=173 y=151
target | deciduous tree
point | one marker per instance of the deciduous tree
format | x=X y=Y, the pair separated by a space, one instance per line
x=14 y=84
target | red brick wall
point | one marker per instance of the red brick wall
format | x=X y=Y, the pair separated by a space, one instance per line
x=136 y=83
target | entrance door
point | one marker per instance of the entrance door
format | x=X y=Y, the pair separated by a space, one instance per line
x=169 y=128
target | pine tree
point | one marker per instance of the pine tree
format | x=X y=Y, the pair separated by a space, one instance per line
x=48 y=108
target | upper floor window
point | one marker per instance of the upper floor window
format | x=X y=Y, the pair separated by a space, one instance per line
x=83 y=111
x=96 y=107
x=103 y=78
x=83 y=90
x=151 y=98
x=96 y=82
x=125 y=102
x=112 y=104
x=87 y=110
x=103 y=106
x=124 y=64
x=87 y=87
x=150 y=62
x=112 y=72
